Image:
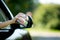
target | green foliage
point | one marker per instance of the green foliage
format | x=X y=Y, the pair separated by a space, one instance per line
x=47 y=16
x=17 y=6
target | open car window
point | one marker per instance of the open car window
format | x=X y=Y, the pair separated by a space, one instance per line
x=3 y=18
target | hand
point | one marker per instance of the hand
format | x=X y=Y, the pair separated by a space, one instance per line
x=21 y=17
x=14 y=20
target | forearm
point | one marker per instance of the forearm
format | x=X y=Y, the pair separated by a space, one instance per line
x=6 y=23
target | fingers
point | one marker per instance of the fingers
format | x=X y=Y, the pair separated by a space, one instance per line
x=19 y=15
x=24 y=16
x=21 y=20
x=29 y=13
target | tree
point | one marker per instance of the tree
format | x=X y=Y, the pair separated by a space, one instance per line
x=47 y=16
x=17 y=6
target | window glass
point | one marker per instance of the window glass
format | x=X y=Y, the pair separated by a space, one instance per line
x=3 y=18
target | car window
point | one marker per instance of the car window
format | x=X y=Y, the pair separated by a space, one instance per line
x=3 y=18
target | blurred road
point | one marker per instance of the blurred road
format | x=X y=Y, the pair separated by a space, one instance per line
x=45 y=35
x=45 y=38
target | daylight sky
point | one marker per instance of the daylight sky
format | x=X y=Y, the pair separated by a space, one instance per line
x=49 y=1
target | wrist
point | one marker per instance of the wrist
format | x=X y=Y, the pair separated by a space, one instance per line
x=14 y=20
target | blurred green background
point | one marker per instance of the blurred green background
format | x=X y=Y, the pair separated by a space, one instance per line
x=44 y=15
x=17 y=6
